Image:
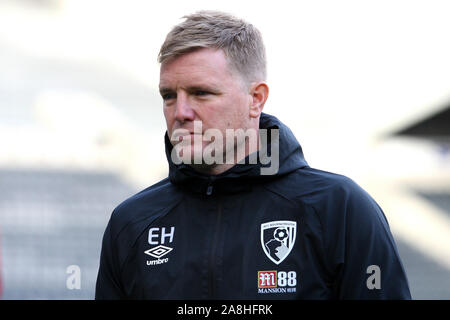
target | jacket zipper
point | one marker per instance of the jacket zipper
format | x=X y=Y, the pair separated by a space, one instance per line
x=214 y=245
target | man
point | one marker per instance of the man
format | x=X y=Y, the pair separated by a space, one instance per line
x=241 y=215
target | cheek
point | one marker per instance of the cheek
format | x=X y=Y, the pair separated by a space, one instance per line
x=168 y=115
x=237 y=108
x=241 y=112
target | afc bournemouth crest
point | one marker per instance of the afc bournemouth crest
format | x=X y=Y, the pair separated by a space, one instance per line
x=277 y=239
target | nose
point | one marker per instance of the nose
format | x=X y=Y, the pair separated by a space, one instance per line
x=183 y=109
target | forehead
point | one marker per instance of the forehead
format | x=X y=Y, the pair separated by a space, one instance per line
x=205 y=64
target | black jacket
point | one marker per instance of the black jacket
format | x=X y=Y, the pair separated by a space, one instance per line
x=302 y=233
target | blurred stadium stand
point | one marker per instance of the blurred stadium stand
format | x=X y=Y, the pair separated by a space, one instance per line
x=428 y=280
x=50 y=220
x=435 y=127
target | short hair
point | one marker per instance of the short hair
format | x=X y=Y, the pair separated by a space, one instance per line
x=241 y=42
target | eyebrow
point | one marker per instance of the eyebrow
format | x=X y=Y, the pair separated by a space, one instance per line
x=164 y=90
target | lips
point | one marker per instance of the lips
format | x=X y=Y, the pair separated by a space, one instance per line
x=192 y=136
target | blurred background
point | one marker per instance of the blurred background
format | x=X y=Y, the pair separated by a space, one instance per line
x=364 y=85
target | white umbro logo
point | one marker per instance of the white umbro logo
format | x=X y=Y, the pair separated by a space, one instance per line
x=158 y=251
x=159 y=236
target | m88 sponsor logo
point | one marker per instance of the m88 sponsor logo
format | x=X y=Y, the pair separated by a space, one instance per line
x=277 y=281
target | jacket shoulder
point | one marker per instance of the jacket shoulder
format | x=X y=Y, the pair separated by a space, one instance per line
x=326 y=190
x=324 y=184
x=335 y=198
x=313 y=186
x=144 y=205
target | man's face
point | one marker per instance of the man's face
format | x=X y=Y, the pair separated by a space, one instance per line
x=200 y=86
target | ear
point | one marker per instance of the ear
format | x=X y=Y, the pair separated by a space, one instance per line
x=259 y=92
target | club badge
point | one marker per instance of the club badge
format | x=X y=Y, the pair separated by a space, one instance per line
x=277 y=239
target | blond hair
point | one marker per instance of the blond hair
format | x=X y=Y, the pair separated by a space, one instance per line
x=241 y=42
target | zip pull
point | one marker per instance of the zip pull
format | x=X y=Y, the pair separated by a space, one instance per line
x=209 y=190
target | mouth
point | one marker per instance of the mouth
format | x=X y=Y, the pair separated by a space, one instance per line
x=191 y=134
x=185 y=135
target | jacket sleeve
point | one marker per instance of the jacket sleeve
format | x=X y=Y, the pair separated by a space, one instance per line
x=108 y=286
x=367 y=263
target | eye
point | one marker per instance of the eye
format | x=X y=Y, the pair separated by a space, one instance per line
x=168 y=96
x=201 y=93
